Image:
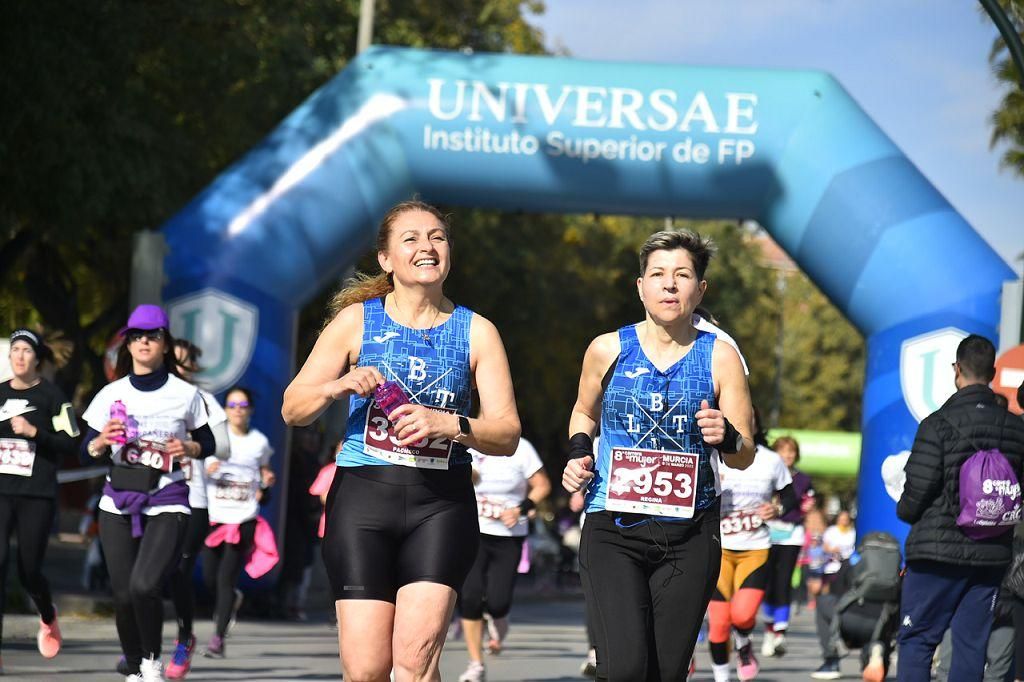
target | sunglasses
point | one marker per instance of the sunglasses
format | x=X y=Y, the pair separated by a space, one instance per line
x=240 y=403
x=152 y=335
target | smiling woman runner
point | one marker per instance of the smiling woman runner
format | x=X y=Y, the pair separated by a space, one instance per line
x=402 y=531
x=671 y=402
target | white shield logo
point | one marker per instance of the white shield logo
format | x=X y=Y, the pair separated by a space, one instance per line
x=926 y=373
x=223 y=326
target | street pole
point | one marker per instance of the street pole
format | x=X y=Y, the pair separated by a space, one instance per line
x=365 y=36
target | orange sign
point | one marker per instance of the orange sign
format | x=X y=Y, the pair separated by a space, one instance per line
x=1010 y=376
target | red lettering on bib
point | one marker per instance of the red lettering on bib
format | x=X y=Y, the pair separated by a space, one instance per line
x=654 y=482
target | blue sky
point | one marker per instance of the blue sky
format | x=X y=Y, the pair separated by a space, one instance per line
x=918 y=67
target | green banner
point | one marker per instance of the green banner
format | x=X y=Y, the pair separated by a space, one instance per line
x=828 y=453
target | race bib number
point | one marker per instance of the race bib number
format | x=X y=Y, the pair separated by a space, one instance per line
x=488 y=509
x=148 y=453
x=234 y=493
x=741 y=521
x=653 y=482
x=17 y=456
x=380 y=441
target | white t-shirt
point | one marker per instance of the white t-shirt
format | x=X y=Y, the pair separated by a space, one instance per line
x=231 y=490
x=195 y=469
x=706 y=326
x=172 y=410
x=502 y=485
x=743 y=491
x=844 y=541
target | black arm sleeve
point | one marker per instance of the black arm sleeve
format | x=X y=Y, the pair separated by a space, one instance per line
x=788 y=500
x=207 y=444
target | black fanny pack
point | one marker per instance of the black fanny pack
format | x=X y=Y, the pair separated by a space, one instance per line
x=135 y=479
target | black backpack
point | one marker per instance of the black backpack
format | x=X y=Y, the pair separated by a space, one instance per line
x=876 y=578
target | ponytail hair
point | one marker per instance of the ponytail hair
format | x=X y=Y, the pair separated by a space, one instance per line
x=364 y=287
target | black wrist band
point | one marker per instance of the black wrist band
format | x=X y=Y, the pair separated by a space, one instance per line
x=728 y=444
x=525 y=506
x=581 y=445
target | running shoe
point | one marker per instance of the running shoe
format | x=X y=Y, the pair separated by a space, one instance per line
x=215 y=648
x=780 y=644
x=875 y=671
x=181 y=659
x=474 y=673
x=589 y=667
x=239 y=598
x=497 y=630
x=134 y=677
x=829 y=670
x=48 y=638
x=747 y=666
x=151 y=670
x=768 y=643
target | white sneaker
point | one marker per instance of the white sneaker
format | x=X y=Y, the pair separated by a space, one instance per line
x=768 y=643
x=474 y=673
x=780 y=644
x=151 y=670
x=133 y=678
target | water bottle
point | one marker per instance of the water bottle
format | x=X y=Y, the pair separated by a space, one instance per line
x=389 y=397
x=119 y=412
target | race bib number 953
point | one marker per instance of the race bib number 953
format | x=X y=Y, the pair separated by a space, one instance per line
x=652 y=482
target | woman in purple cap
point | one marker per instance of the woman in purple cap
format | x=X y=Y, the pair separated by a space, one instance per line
x=37 y=427
x=141 y=421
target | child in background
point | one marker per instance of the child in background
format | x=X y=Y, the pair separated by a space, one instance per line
x=813 y=557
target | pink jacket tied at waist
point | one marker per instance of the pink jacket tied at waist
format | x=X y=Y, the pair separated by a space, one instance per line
x=263 y=556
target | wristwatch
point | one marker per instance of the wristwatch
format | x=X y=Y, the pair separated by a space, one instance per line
x=95 y=453
x=464 y=429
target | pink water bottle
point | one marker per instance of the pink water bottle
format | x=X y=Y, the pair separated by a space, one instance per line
x=389 y=397
x=119 y=412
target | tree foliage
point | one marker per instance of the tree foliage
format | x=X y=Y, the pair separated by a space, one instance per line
x=116 y=114
x=1008 y=118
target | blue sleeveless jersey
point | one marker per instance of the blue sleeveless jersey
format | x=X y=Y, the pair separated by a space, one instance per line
x=646 y=408
x=432 y=372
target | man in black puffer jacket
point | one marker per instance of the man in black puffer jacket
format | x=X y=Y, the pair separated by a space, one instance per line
x=951 y=580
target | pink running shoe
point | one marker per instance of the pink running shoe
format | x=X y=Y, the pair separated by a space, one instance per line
x=747 y=666
x=49 y=639
x=181 y=659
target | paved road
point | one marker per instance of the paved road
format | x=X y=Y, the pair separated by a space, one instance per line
x=546 y=643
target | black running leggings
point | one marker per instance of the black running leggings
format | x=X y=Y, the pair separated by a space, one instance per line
x=647 y=587
x=781 y=562
x=222 y=566
x=138 y=569
x=492 y=579
x=31 y=518
x=182 y=592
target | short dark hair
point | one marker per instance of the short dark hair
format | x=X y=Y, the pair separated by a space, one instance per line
x=701 y=248
x=243 y=390
x=977 y=357
x=1020 y=395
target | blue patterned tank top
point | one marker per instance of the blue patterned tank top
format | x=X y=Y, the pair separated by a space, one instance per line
x=645 y=407
x=432 y=371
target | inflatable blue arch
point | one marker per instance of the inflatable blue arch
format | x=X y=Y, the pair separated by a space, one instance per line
x=790 y=149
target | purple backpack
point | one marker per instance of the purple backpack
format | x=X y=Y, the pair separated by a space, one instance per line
x=990 y=502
